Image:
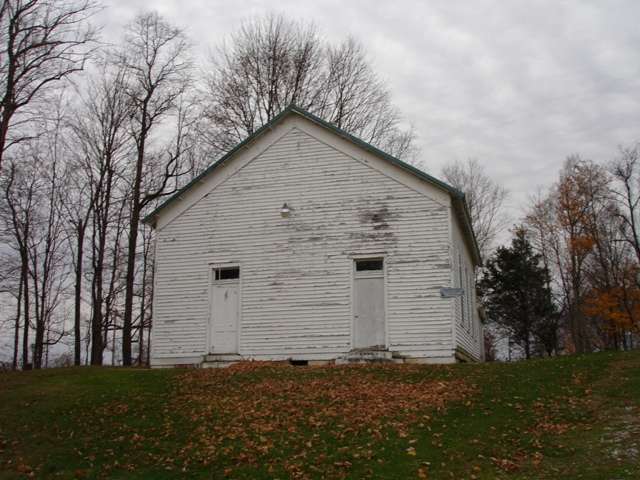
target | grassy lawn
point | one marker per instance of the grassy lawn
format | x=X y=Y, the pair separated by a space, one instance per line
x=571 y=417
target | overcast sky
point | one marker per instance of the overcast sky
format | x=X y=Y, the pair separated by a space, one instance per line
x=517 y=85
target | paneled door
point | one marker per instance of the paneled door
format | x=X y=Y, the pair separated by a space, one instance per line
x=369 y=304
x=225 y=304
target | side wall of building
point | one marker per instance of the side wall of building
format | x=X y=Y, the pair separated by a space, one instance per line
x=468 y=327
x=296 y=272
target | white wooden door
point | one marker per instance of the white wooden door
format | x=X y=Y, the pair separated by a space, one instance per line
x=224 y=317
x=368 y=306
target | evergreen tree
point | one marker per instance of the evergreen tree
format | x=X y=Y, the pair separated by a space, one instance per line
x=517 y=295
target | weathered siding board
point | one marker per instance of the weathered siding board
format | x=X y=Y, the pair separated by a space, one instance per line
x=296 y=272
x=468 y=333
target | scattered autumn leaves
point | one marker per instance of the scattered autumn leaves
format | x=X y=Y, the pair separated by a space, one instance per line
x=299 y=421
x=273 y=420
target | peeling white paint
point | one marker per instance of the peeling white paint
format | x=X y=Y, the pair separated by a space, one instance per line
x=296 y=270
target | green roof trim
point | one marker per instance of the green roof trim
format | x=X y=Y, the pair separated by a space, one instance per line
x=458 y=197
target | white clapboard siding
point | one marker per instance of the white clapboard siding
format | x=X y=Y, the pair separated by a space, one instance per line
x=296 y=272
x=468 y=329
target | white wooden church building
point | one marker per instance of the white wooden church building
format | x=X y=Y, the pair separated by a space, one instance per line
x=304 y=243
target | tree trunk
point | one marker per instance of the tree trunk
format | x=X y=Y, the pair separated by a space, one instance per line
x=7 y=112
x=87 y=344
x=97 y=345
x=99 y=242
x=576 y=333
x=133 y=244
x=141 y=344
x=143 y=298
x=131 y=270
x=16 y=336
x=113 y=347
x=78 y=293
x=38 y=351
x=25 y=296
x=46 y=348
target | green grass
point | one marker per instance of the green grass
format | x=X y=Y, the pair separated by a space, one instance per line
x=569 y=417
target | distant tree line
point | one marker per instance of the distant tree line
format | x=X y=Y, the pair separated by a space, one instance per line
x=93 y=136
x=570 y=279
x=585 y=230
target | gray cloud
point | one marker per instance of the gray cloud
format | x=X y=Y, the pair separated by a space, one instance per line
x=518 y=85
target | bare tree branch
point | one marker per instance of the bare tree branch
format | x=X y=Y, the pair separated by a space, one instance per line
x=485 y=199
x=41 y=43
x=272 y=62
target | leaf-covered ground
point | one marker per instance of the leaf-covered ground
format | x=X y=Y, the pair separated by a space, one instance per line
x=571 y=417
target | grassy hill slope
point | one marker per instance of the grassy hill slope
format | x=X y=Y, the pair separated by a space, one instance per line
x=570 y=417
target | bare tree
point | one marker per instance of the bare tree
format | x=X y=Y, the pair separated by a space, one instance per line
x=272 y=62
x=626 y=173
x=33 y=214
x=48 y=258
x=102 y=145
x=158 y=69
x=355 y=99
x=564 y=226
x=265 y=66
x=11 y=283
x=485 y=199
x=78 y=208
x=16 y=329
x=111 y=286
x=146 y=294
x=19 y=188
x=41 y=43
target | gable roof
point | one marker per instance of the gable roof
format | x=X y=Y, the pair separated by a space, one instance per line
x=457 y=196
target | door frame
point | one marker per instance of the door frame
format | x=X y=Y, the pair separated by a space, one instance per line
x=211 y=278
x=352 y=294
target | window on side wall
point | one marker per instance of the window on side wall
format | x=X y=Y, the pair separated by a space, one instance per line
x=474 y=309
x=457 y=280
x=469 y=299
x=461 y=285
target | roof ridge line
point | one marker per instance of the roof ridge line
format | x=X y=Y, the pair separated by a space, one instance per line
x=293 y=108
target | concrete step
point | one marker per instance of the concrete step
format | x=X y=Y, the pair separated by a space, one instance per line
x=221 y=360
x=370 y=354
x=222 y=357
x=216 y=364
x=366 y=356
